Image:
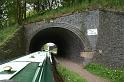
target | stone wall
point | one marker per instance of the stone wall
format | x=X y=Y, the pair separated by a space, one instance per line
x=110 y=41
x=13 y=47
x=83 y=21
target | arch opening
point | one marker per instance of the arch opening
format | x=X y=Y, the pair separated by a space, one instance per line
x=68 y=43
x=51 y=47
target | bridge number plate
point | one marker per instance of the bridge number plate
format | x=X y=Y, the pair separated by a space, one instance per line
x=92 y=31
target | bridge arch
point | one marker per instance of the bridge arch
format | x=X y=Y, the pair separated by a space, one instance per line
x=69 y=39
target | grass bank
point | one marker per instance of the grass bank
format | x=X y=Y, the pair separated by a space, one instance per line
x=5 y=33
x=114 y=75
x=69 y=76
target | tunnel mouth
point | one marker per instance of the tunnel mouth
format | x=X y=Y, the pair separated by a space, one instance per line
x=51 y=47
x=68 y=43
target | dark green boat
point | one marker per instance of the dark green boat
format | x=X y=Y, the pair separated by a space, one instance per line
x=35 y=67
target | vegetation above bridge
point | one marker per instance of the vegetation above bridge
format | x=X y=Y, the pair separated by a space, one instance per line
x=17 y=11
x=24 y=11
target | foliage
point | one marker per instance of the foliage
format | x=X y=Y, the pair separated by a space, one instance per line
x=7 y=8
x=115 y=75
x=53 y=13
x=69 y=76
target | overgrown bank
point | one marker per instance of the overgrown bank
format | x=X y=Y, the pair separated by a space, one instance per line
x=7 y=33
x=12 y=44
x=115 y=75
x=69 y=76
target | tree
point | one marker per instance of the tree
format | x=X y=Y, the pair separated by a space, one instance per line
x=1 y=13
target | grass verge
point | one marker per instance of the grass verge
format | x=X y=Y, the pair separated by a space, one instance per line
x=114 y=75
x=69 y=76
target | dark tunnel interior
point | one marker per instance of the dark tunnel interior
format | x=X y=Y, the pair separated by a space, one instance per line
x=68 y=43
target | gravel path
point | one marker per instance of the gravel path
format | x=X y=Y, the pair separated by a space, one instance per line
x=82 y=72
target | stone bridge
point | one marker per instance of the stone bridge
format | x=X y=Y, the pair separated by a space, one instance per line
x=96 y=30
x=74 y=34
x=68 y=38
x=69 y=33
